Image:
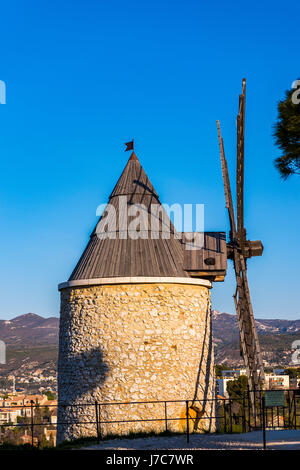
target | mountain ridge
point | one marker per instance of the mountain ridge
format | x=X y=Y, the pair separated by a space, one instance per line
x=275 y=335
x=32 y=341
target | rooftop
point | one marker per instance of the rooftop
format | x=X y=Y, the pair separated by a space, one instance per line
x=159 y=253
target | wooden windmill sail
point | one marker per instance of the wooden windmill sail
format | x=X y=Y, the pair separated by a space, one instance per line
x=239 y=249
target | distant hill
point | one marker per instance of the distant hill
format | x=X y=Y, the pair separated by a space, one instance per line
x=32 y=341
x=276 y=337
x=31 y=345
x=29 y=330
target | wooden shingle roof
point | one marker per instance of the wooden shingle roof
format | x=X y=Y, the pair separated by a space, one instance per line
x=154 y=254
x=144 y=257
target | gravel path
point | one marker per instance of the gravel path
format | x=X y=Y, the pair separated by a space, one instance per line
x=279 y=440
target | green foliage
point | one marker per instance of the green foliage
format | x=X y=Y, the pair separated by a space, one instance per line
x=293 y=372
x=23 y=420
x=237 y=388
x=12 y=435
x=51 y=442
x=219 y=368
x=43 y=443
x=5 y=383
x=10 y=446
x=50 y=395
x=287 y=136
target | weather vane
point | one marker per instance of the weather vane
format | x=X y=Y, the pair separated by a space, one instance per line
x=129 y=145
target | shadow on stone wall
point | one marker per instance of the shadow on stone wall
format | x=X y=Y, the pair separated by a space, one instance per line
x=202 y=403
x=79 y=380
x=80 y=374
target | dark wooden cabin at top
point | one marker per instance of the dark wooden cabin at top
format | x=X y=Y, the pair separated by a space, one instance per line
x=147 y=256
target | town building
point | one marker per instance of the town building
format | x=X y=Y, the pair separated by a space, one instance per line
x=277 y=379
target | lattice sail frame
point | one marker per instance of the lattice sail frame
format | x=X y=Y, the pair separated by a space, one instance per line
x=249 y=342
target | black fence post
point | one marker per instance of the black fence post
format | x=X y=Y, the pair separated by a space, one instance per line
x=249 y=406
x=187 y=422
x=289 y=403
x=261 y=409
x=230 y=414
x=272 y=416
x=295 y=409
x=244 y=413
x=99 y=417
x=97 y=421
x=166 y=417
x=254 y=410
x=31 y=421
x=263 y=423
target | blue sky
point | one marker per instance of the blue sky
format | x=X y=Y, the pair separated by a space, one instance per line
x=84 y=77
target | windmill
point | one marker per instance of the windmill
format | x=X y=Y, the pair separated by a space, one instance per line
x=239 y=249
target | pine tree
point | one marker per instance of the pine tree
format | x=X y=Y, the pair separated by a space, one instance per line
x=287 y=134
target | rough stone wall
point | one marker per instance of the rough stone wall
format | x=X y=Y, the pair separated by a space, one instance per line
x=135 y=342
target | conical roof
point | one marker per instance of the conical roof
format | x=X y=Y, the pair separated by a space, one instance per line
x=133 y=181
x=157 y=254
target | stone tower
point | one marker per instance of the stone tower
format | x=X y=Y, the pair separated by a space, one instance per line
x=135 y=323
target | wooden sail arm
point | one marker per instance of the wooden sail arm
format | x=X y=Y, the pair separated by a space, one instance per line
x=227 y=188
x=241 y=232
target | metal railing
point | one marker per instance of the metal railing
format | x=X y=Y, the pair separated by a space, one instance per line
x=225 y=415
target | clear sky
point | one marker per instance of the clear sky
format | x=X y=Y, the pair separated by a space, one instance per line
x=83 y=77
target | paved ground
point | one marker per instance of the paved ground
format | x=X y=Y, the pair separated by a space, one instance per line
x=279 y=440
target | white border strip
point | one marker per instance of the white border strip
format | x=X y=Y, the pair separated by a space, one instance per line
x=134 y=280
